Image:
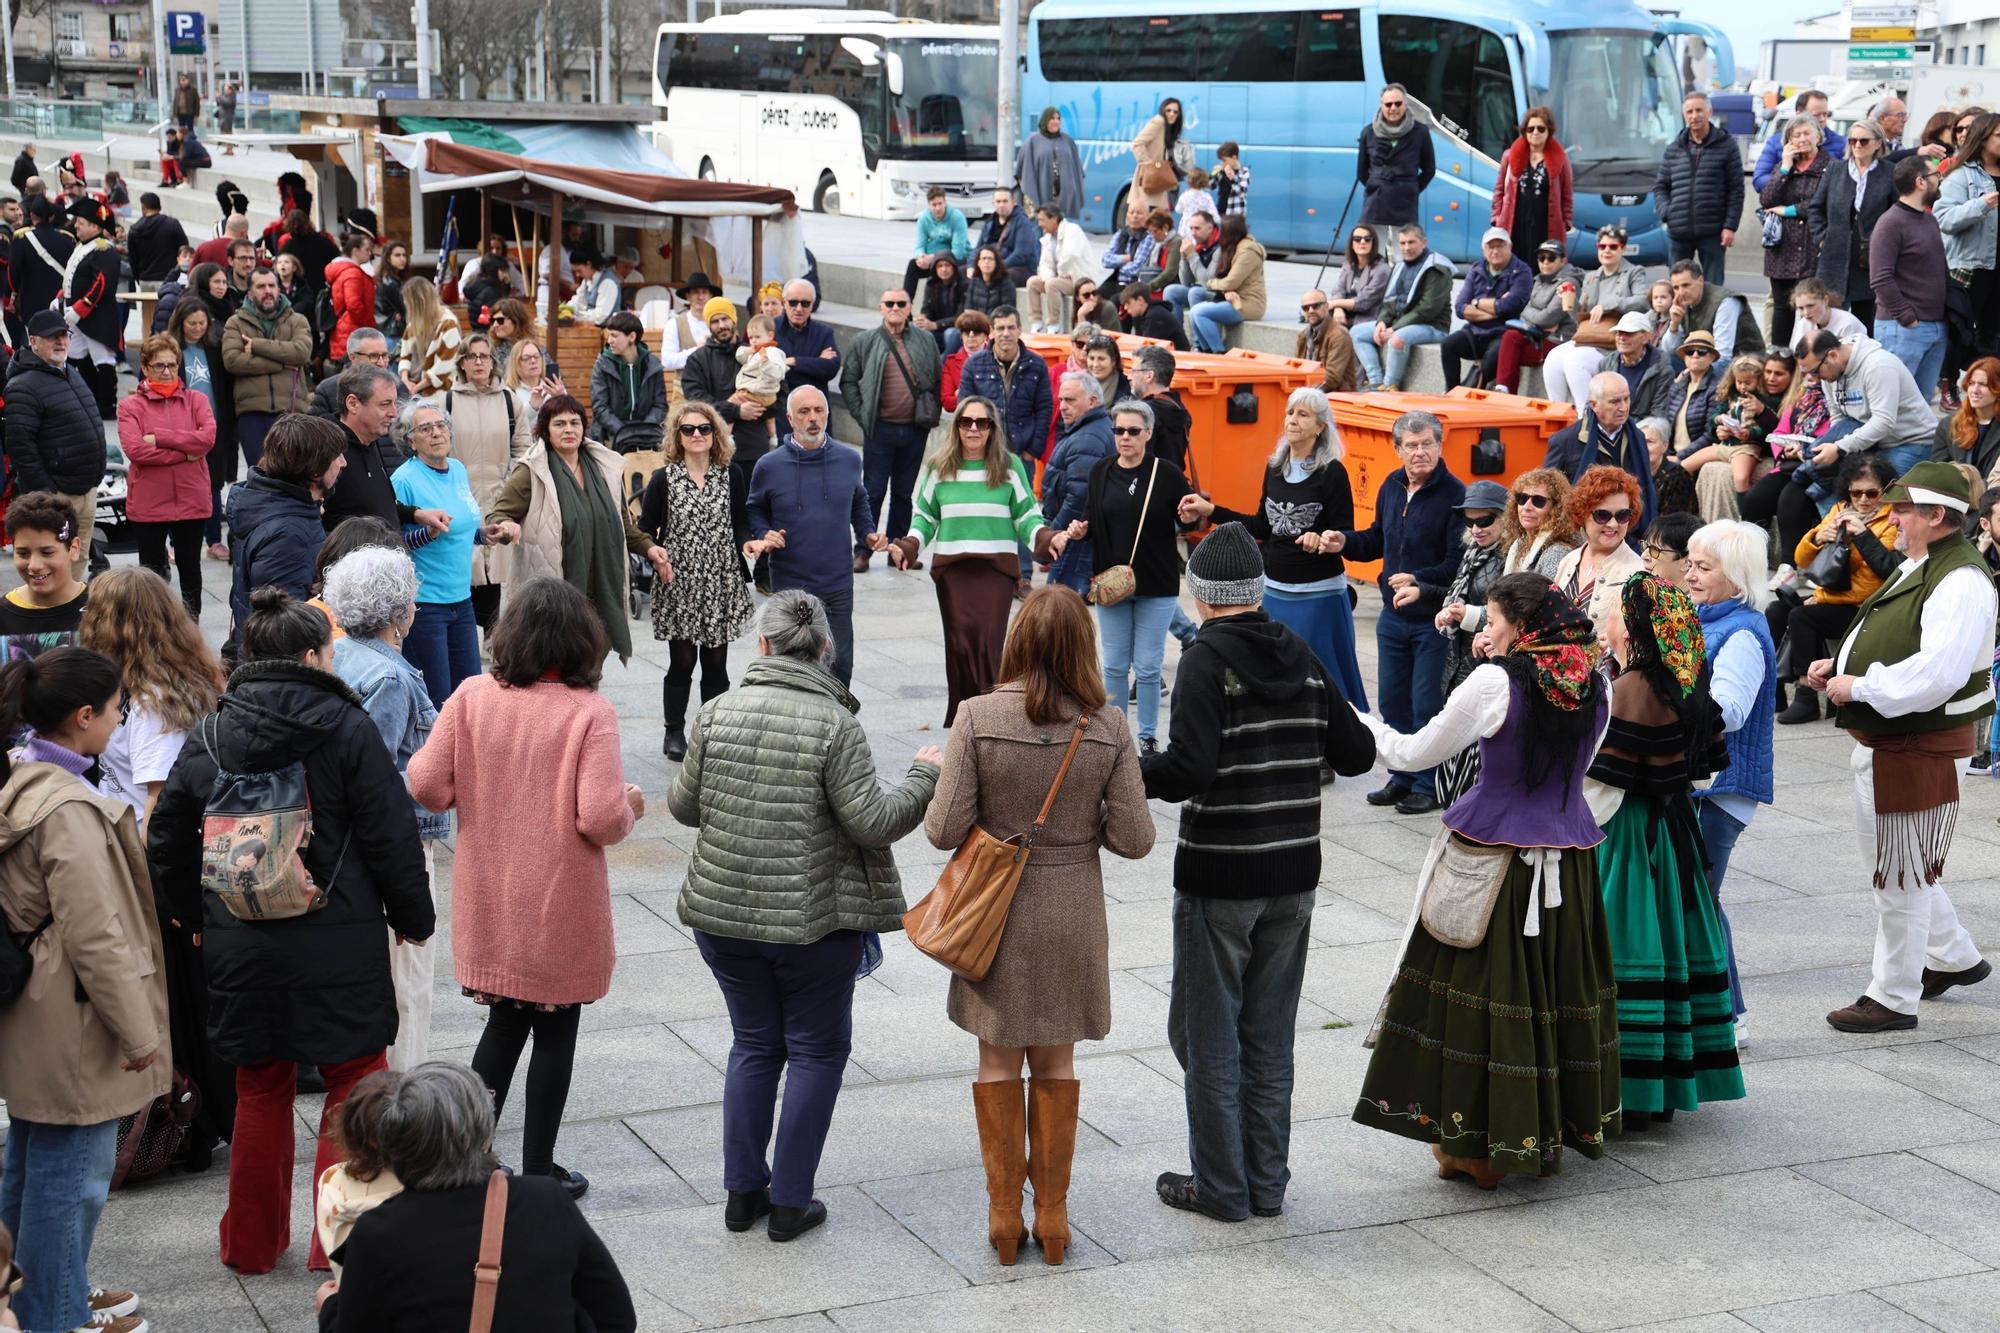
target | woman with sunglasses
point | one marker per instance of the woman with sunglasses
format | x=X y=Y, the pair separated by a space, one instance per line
x=1360 y=281
x=1604 y=504
x=696 y=507
x=1852 y=197
x=1807 y=628
x=490 y=429
x=975 y=506
x=1691 y=397
x=1955 y=139
x=1535 y=198
x=1611 y=290
x=1536 y=531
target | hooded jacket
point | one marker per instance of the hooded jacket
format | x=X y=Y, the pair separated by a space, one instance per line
x=311 y=989
x=1018 y=241
x=816 y=498
x=55 y=437
x=275 y=536
x=793 y=830
x=1428 y=301
x=353 y=302
x=268 y=359
x=633 y=393
x=1878 y=391
x=1023 y=396
x=97 y=991
x=1049 y=170
x=1252 y=718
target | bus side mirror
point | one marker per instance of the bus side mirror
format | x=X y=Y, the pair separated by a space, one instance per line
x=894 y=63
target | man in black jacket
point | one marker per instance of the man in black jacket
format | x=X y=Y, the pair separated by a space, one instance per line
x=1699 y=190
x=1140 y=314
x=91 y=302
x=1253 y=718
x=24 y=168
x=367 y=408
x=710 y=377
x=55 y=439
x=38 y=257
x=1396 y=163
x=153 y=241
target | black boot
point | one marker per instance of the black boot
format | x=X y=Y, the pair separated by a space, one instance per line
x=674 y=700
x=1804 y=707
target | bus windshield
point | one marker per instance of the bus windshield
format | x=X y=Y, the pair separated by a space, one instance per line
x=1615 y=95
x=949 y=106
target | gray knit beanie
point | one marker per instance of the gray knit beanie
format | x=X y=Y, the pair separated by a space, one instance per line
x=1226 y=568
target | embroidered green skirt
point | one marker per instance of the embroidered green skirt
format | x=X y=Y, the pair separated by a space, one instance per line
x=1676 y=1031
x=1507 y=1052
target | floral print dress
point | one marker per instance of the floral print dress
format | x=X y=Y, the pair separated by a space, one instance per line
x=703 y=527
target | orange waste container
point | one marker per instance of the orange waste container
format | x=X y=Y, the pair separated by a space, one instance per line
x=1523 y=426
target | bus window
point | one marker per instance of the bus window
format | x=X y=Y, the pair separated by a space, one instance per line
x=949 y=104
x=1457 y=70
x=1329 y=47
x=1247 y=48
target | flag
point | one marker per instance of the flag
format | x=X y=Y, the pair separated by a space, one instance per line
x=447 y=242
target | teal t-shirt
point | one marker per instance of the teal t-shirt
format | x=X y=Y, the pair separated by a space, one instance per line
x=444 y=564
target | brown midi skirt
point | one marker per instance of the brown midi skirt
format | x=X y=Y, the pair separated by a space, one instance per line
x=975 y=596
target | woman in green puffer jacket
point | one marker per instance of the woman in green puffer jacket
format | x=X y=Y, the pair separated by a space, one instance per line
x=791 y=869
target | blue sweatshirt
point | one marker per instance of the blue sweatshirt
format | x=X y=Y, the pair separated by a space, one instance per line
x=1412 y=534
x=950 y=232
x=444 y=564
x=815 y=496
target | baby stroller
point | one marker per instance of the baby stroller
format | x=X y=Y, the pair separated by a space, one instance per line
x=640 y=465
x=644 y=576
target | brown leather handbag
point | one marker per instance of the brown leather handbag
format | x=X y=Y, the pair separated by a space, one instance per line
x=960 y=920
x=486 y=1273
x=1157 y=177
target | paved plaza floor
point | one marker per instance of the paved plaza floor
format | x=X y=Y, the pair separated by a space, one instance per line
x=1858 y=1187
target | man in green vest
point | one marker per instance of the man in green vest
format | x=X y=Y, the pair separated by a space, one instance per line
x=1911 y=678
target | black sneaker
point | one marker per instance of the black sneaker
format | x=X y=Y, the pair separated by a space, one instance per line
x=1937 y=983
x=574 y=1183
x=745 y=1207
x=791 y=1223
x=1418 y=803
x=1177 y=1191
x=1149 y=745
x=1804 y=707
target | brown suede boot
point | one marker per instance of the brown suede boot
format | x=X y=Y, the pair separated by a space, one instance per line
x=1003 y=1147
x=1051 y=1145
x=1479 y=1173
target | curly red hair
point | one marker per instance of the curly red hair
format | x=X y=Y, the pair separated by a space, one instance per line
x=1599 y=484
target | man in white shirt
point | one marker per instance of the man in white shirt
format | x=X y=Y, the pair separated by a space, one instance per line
x=1066 y=261
x=685 y=333
x=1910 y=679
x=597 y=292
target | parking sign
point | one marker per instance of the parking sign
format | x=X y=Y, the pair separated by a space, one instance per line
x=185 y=35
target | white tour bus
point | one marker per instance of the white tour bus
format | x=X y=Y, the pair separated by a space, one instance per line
x=853 y=111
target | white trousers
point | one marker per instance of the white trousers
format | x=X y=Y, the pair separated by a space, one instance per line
x=1916 y=926
x=1566 y=372
x=412 y=967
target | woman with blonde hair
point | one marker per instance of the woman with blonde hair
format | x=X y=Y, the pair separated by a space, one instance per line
x=974 y=505
x=490 y=432
x=513 y=323
x=531 y=378
x=1536 y=530
x=696 y=507
x=1050 y=984
x=428 y=356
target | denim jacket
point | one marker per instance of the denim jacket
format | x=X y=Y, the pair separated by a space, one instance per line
x=398 y=704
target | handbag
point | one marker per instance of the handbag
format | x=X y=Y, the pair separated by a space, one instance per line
x=959 y=922
x=486 y=1272
x=1774 y=228
x=926 y=409
x=1463 y=888
x=1157 y=177
x=1186 y=539
x=1830 y=570
x=1115 y=584
x=1596 y=333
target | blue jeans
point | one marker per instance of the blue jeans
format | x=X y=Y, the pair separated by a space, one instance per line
x=1181 y=297
x=840 y=617
x=1209 y=319
x=1073 y=568
x=1921 y=348
x=1409 y=684
x=1386 y=364
x=53 y=1184
x=1135 y=642
x=1183 y=626
x=1238 y=966
x=791 y=1007
x=889 y=462
x=1903 y=457
x=443 y=644
x=1719 y=832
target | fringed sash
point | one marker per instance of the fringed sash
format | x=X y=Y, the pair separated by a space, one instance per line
x=1916 y=800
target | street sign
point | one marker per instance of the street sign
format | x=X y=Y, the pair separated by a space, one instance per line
x=1894 y=33
x=1879 y=55
x=185 y=33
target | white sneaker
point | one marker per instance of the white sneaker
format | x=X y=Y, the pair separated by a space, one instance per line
x=1742 y=1033
x=1786 y=577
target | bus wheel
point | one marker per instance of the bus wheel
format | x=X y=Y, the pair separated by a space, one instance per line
x=1117 y=208
x=707 y=171
x=826 y=197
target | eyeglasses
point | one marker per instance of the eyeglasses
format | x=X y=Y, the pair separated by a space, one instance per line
x=163 y=367
x=1530 y=501
x=1472 y=521
x=1860 y=138
x=799 y=305
x=1610 y=245
x=1392 y=104
x=432 y=428
x=976 y=423
x=372 y=358
x=894 y=305
x=1859 y=494
x=477 y=356
x=1307 y=307
x=1656 y=551
x=1128 y=430
x=1536 y=129
x=1606 y=518
x=1699 y=351
x=696 y=428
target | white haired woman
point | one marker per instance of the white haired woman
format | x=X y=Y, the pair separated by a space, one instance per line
x=1728 y=577
x=443 y=641
x=781 y=921
x=407 y=1266
x=372 y=594
x=1306 y=493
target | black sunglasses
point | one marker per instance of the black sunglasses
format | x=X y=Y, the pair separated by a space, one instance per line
x=799 y=305
x=1128 y=430
x=696 y=428
x=1487 y=522
x=1656 y=550
x=1607 y=517
x=1858 y=494
x=894 y=305
x=1532 y=501
x=975 y=423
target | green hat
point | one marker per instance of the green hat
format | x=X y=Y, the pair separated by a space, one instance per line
x=1931 y=484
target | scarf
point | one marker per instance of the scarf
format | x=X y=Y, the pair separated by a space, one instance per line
x=1475 y=570
x=1559 y=647
x=278 y=312
x=1048 y=112
x=167 y=390
x=593 y=546
x=1384 y=130
x=1403 y=282
x=1666 y=634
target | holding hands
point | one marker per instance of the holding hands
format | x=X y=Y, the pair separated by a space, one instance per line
x=1194 y=508
x=774 y=540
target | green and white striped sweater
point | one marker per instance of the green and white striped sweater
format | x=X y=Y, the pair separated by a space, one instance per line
x=962 y=515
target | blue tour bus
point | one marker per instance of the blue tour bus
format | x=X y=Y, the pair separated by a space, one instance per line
x=1294 y=83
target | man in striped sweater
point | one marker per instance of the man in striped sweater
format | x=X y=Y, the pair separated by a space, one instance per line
x=1253 y=717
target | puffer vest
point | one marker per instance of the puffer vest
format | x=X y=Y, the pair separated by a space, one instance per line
x=1749 y=771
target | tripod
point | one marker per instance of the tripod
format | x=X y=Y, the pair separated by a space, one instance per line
x=1338 y=227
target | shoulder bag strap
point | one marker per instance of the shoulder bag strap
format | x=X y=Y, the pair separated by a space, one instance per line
x=1144 y=505
x=1049 y=801
x=896 y=355
x=486 y=1273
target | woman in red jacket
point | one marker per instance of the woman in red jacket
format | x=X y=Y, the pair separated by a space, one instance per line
x=1535 y=199
x=166 y=430
x=353 y=291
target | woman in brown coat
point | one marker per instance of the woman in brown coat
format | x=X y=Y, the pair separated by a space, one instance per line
x=1050 y=985
x=1160 y=141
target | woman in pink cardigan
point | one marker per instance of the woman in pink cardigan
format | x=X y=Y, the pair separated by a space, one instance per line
x=529 y=758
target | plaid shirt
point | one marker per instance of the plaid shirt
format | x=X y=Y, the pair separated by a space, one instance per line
x=1239 y=190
